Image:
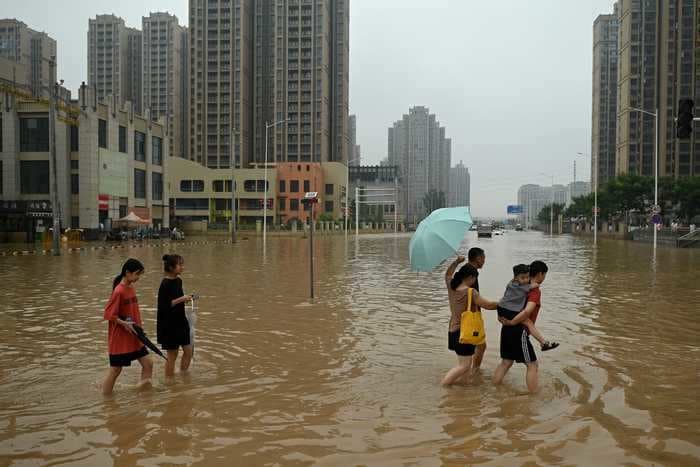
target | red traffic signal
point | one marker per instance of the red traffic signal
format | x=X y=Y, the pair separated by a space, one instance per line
x=684 y=124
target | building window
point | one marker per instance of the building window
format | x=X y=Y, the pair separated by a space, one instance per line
x=34 y=177
x=282 y=203
x=329 y=206
x=293 y=204
x=186 y=186
x=218 y=186
x=329 y=188
x=283 y=186
x=74 y=144
x=199 y=204
x=122 y=139
x=198 y=186
x=34 y=134
x=75 y=222
x=139 y=183
x=102 y=133
x=74 y=184
x=157 y=186
x=157 y=150
x=294 y=186
x=139 y=146
x=307 y=186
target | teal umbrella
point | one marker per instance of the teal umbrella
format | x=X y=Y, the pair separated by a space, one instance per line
x=438 y=237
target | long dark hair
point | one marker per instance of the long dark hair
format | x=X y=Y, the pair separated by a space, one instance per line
x=131 y=265
x=465 y=271
x=170 y=262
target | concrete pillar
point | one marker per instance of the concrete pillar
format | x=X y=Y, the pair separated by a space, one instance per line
x=258 y=226
x=294 y=226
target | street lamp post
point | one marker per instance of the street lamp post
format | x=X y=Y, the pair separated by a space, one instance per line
x=54 y=170
x=267 y=127
x=656 y=161
x=234 y=225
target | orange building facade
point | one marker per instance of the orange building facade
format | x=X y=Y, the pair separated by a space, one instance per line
x=294 y=179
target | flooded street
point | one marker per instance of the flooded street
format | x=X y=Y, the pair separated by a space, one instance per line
x=352 y=378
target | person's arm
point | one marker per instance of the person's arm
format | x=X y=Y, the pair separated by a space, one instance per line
x=484 y=303
x=520 y=317
x=175 y=291
x=183 y=299
x=451 y=269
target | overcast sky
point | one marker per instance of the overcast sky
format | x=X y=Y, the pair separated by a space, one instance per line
x=510 y=80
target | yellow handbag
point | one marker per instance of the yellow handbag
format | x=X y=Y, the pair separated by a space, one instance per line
x=471 y=326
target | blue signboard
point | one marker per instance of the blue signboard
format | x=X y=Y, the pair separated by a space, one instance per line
x=515 y=209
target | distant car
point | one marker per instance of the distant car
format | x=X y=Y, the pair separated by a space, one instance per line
x=484 y=230
x=519 y=228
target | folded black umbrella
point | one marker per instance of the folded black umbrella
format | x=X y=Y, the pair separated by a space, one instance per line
x=146 y=341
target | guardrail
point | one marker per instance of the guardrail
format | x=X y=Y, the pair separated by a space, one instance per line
x=689 y=240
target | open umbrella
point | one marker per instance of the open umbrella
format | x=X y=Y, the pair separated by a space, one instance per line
x=147 y=342
x=438 y=237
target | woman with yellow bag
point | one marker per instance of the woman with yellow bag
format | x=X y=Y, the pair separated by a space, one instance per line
x=464 y=308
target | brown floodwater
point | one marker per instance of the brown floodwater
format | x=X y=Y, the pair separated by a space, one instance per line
x=352 y=377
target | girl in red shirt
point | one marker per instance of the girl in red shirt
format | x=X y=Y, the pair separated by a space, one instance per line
x=122 y=312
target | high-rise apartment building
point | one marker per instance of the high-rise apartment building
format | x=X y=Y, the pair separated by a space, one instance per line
x=32 y=49
x=417 y=145
x=301 y=74
x=257 y=63
x=114 y=60
x=658 y=65
x=533 y=198
x=165 y=52
x=604 y=117
x=221 y=81
x=460 y=186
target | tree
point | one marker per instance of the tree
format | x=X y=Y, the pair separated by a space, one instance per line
x=434 y=200
x=580 y=207
x=544 y=214
x=686 y=194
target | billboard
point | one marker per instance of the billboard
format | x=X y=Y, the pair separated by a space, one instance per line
x=514 y=209
x=113 y=173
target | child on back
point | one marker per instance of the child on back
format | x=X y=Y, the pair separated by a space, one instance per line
x=514 y=299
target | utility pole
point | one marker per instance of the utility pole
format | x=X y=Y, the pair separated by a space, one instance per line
x=233 y=188
x=54 y=172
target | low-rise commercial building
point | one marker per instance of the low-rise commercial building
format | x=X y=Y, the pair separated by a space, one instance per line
x=109 y=162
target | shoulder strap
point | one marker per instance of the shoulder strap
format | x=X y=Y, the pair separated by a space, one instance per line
x=469 y=299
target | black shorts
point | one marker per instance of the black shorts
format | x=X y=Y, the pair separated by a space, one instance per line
x=516 y=346
x=125 y=359
x=463 y=350
x=506 y=313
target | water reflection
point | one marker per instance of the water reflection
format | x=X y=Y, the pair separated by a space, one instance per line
x=352 y=377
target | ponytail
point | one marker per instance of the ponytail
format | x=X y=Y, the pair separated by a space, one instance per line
x=131 y=265
x=117 y=280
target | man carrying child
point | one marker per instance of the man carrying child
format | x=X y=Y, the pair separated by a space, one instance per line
x=517 y=326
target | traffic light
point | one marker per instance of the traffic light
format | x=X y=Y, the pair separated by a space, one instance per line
x=684 y=125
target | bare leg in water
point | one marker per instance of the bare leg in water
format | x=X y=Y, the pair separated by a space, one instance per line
x=463 y=367
x=146 y=371
x=110 y=379
x=187 y=353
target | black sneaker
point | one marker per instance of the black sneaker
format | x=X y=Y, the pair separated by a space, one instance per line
x=549 y=346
